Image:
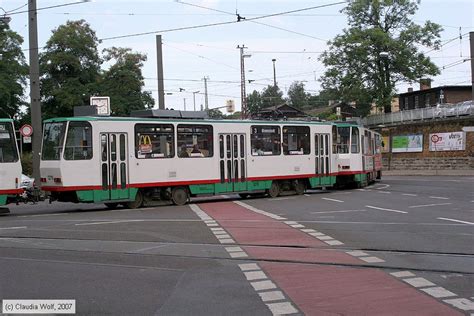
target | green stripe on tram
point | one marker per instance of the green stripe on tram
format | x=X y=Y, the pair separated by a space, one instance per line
x=3 y=199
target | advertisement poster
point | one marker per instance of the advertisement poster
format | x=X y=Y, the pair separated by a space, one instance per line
x=447 y=141
x=385 y=144
x=407 y=143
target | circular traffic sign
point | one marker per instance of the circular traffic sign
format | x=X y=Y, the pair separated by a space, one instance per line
x=26 y=130
x=435 y=138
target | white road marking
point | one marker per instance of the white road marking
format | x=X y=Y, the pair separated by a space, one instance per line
x=221 y=237
x=324 y=237
x=418 y=282
x=438 y=292
x=461 y=303
x=216 y=229
x=334 y=242
x=383 y=186
x=227 y=241
x=255 y=275
x=439 y=197
x=402 y=274
x=263 y=285
x=333 y=200
x=282 y=308
x=317 y=234
x=248 y=266
x=281 y=199
x=290 y=222
x=346 y=211
x=307 y=195
x=256 y=210
x=429 y=205
x=220 y=232
x=386 y=209
x=233 y=249
x=271 y=296
x=357 y=253
x=238 y=254
x=297 y=226
x=385 y=192
x=210 y=221
x=308 y=230
x=55 y=214
x=18 y=227
x=371 y=259
x=212 y=224
x=111 y=222
x=409 y=194
x=455 y=220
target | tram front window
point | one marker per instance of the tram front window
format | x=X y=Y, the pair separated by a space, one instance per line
x=8 y=151
x=78 y=141
x=53 y=141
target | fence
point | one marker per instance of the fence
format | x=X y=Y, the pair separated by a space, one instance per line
x=440 y=111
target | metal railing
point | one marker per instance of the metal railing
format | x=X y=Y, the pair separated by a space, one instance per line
x=440 y=111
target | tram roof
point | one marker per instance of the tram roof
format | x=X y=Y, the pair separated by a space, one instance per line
x=143 y=119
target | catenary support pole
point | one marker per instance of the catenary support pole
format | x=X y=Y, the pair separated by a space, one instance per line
x=159 y=63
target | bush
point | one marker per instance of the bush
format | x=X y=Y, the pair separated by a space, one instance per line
x=27 y=163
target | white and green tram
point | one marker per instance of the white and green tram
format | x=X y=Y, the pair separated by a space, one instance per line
x=10 y=165
x=132 y=161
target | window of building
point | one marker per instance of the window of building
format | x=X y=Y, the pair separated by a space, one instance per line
x=53 y=141
x=296 y=140
x=8 y=151
x=195 y=141
x=343 y=140
x=355 y=144
x=78 y=141
x=417 y=103
x=154 y=141
x=265 y=140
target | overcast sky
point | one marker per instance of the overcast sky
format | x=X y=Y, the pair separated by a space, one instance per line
x=191 y=54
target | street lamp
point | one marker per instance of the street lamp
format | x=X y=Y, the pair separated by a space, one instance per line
x=274 y=73
x=194 y=99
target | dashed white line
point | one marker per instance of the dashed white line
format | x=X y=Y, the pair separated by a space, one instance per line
x=371 y=259
x=297 y=226
x=429 y=205
x=111 y=222
x=357 y=253
x=439 y=197
x=385 y=209
x=346 y=211
x=240 y=254
x=461 y=303
x=383 y=186
x=333 y=200
x=263 y=285
x=409 y=194
x=308 y=230
x=324 y=237
x=438 y=292
x=316 y=234
x=284 y=308
x=455 y=220
x=402 y=274
x=248 y=266
x=385 y=192
x=255 y=275
x=418 y=282
x=271 y=296
x=18 y=227
x=334 y=242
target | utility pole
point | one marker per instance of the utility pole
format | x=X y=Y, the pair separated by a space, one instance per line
x=206 y=100
x=159 y=63
x=243 y=94
x=194 y=99
x=274 y=74
x=35 y=105
x=184 y=101
x=471 y=38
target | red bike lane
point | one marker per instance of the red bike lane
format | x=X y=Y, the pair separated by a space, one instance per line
x=315 y=276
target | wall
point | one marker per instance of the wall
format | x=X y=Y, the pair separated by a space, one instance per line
x=426 y=160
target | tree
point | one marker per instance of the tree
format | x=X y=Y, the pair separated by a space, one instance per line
x=297 y=96
x=123 y=81
x=215 y=114
x=271 y=96
x=13 y=72
x=70 y=69
x=380 y=49
x=254 y=102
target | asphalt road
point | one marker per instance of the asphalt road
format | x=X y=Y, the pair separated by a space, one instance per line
x=403 y=246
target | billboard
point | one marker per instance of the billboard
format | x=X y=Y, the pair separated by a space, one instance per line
x=407 y=143
x=447 y=141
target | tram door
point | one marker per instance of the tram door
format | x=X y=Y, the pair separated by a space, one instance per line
x=322 y=157
x=232 y=162
x=114 y=166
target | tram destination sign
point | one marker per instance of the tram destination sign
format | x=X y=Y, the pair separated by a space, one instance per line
x=447 y=141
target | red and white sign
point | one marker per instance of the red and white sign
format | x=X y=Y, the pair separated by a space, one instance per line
x=26 y=130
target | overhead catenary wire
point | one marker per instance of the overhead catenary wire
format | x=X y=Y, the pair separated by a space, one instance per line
x=49 y=7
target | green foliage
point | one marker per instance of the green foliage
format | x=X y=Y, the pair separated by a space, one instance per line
x=215 y=114
x=27 y=163
x=70 y=68
x=254 y=102
x=380 y=49
x=13 y=72
x=123 y=81
x=297 y=95
x=271 y=96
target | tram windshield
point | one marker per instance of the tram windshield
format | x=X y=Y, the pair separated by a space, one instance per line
x=53 y=141
x=8 y=149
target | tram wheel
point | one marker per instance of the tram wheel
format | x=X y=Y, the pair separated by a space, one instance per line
x=179 y=195
x=300 y=187
x=274 y=190
x=138 y=201
x=111 y=206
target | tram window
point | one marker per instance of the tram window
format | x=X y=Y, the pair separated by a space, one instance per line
x=78 y=141
x=221 y=146
x=242 y=146
x=113 y=147
x=222 y=170
x=343 y=137
x=123 y=175
x=228 y=146
x=8 y=151
x=104 y=146
x=122 y=147
x=105 y=177
x=195 y=141
x=296 y=140
x=242 y=169
x=236 y=145
x=154 y=141
x=265 y=140
x=316 y=144
x=53 y=141
x=326 y=137
x=355 y=147
x=334 y=139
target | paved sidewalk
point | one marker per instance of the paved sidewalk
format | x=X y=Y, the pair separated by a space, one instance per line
x=428 y=172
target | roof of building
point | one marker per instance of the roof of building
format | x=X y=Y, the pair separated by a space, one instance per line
x=465 y=87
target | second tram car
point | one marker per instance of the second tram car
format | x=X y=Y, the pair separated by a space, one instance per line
x=132 y=161
x=10 y=165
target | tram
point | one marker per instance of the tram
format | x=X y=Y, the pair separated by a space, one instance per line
x=132 y=161
x=10 y=165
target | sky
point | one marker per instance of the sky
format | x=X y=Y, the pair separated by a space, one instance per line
x=295 y=40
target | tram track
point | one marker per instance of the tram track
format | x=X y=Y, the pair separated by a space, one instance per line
x=385 y=266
